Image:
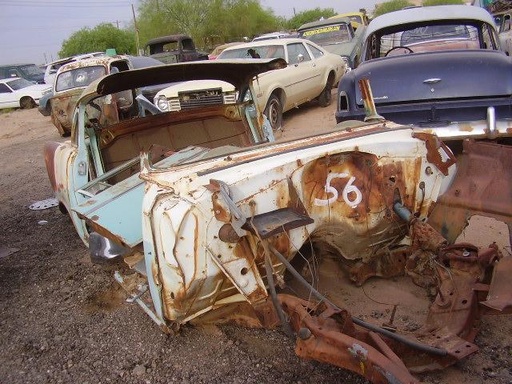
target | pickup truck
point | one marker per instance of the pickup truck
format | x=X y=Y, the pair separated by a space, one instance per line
x=174 y=49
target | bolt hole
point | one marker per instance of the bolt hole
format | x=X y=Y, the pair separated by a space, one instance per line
x=172 y=295
x=468 y=345
x=457 y=351
x=244 y=271
x=464 y=301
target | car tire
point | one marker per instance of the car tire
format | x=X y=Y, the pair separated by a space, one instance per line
x=274 y=112
x=27 y=103
x=325 y=98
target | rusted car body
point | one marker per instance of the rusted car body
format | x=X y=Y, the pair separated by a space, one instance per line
x=216 y=234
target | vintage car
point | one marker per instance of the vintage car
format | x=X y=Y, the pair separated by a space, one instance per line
x=336 y=35
x=30 y=72
x=74 y=77
x=311 y=74
x=21 y=93
x=104 y=148
x=210 y=231
x=438 y=67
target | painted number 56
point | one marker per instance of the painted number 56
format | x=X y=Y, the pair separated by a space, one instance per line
x=351 y=195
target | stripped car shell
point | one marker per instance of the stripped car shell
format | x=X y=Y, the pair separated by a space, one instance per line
x=222 y=230
x=104 y=149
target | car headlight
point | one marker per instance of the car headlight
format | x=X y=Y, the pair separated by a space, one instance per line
x=162 y=103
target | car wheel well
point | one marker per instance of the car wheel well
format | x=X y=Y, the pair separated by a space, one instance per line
x=26 y=102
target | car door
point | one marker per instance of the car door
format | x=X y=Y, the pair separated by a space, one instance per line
x=304 y=74
x=7 y=97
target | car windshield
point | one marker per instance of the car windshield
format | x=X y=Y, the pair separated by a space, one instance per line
x=79 y=77
x=328 y=35
x=19 y=84
x=263 y=51
x=434 y=37
x=32 y=69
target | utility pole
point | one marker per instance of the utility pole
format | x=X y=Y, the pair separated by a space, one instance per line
x=137 y=45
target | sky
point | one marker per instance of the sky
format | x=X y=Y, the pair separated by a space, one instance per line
x=32 y=31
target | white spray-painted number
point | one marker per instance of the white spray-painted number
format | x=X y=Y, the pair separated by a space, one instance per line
x=349 y=188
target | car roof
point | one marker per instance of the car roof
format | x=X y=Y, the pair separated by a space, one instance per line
x=321 y=23
x=424 y=14
x=89 y=62
x=261 y=43
x=237 y=72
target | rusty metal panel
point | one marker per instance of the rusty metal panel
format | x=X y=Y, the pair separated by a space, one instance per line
x=482 y=186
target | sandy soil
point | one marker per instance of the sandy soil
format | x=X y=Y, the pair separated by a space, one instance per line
x=65 y=320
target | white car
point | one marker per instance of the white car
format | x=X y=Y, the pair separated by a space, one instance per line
x=311 y=73
x=21 y=93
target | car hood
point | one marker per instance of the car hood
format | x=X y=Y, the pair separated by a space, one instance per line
x=437 y=76
x=342 y=49
x=237 y=72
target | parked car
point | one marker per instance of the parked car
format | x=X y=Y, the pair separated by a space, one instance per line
x=21 y=93
x=336 y=35
x=29 y=72
x=213 y=231
x=504 y=24
x=174 y=49
x=74 y=77
x=311 y=74
x=438 y=67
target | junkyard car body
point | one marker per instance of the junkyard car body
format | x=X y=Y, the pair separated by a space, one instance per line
x=103 y=146
x=453 y=75
x=205 y=225
x=30 y=72
x=336 y=35
x=311 y=73
x=19 y=92
x=74 y=77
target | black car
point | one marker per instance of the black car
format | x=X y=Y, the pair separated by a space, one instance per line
x=437 y=67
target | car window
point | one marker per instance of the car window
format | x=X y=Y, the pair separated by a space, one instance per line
x=315 y=51
x=4 y=88
x=264 y=51
x=506 y=24
x=79 y=77
x=328 y=35
x=296 y=49
x=20 y=84
x=427 y=38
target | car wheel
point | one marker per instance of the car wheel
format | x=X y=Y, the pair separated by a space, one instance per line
x=325 y=97
x=27 y=103
x=274 y=112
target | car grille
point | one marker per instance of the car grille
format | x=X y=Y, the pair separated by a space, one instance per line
x=201 y=98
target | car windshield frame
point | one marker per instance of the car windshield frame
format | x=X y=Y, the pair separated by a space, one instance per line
x=336 y=33
x=458 y=34
x=79 y=77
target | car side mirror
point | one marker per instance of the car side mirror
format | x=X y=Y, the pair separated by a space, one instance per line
x=300 y=58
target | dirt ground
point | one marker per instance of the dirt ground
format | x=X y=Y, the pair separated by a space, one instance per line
x=65 y=320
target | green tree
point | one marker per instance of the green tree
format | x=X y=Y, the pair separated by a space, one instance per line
x=427 y=3
x=390 y=6
x=100 y=38
x=208 y=22
x=308 y=16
